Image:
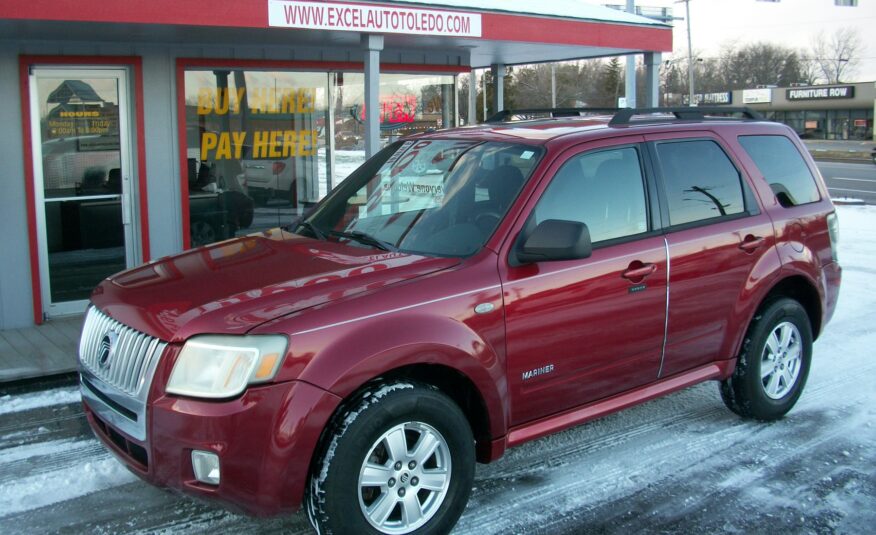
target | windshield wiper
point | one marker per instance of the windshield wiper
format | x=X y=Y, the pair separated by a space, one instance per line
x=320 y=235
x=365 y=238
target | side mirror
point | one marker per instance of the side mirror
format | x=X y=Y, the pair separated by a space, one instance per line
x=555 y=239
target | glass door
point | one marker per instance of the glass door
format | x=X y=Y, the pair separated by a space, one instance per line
x=82 y=172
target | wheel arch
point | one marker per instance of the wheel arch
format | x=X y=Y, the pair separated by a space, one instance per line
x=461 y=389
x=450 y=381
x=802 y=290
x=435 y=350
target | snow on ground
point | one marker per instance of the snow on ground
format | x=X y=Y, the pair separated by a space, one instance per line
x=679 y=464
x=72 y=481
x=39 y=399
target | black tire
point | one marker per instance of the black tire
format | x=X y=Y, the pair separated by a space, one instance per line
x=336 y=503
x=747 y=392
x=202 y=232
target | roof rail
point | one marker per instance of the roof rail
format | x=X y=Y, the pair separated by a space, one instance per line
x=699 y=113
x=506 y=115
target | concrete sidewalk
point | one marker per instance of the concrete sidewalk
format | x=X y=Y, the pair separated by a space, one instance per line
x=39 y=351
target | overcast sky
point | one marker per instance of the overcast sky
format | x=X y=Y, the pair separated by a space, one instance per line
x=791 y=23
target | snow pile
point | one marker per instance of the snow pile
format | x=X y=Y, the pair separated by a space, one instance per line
x=36 y=400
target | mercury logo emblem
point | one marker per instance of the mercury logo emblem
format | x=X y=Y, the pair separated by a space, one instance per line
x=105 y=350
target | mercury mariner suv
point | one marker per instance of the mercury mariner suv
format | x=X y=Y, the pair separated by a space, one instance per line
x=463 y=292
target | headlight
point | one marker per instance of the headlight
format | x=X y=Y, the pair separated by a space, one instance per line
x=215 y=366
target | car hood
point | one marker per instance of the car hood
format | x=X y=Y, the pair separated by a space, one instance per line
x=233 y=286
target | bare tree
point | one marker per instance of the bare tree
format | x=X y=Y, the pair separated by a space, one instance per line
x=762 y=63
x=837 y=55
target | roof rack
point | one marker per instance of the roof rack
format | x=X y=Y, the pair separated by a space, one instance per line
x=506 y=115
x=699 y=113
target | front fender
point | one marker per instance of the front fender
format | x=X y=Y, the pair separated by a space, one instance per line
x=351 y=355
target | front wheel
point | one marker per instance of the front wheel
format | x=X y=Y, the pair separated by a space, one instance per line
x=400 y=460
x=774 y=362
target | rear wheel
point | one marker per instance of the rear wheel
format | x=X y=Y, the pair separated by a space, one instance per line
x=774 y=362
x=399 y=460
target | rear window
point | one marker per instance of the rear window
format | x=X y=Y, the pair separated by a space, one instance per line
x=783 y=168
x=701 y=181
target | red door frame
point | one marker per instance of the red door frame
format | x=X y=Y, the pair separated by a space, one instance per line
x=207 y=63
x=25 y=63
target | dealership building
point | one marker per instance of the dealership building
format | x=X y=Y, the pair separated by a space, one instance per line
x=834 y=112
x=132 y=131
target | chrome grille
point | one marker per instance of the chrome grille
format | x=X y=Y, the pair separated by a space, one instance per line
x=131 y=360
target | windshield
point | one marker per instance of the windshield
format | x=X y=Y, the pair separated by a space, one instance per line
x=436 y=197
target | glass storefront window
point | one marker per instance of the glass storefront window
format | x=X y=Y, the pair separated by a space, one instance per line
x=861 y=127
x=255 y=149
x=814 y=125
x=260 y=145
x=794 y=119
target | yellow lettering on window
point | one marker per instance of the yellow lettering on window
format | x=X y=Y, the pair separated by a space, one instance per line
x=304 y=144
x=205 y=101
x=260 y=145
x=276 y=139
x=241 y=93
x=289 y=139
x=238 y=138
x=288 y=103
x=223 y=150
x=306 y=98
x=208 y=142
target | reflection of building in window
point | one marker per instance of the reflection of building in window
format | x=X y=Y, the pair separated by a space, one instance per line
x=410 y=103
x=80 y=139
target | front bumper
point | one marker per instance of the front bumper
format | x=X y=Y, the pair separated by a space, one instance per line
x=265 y=441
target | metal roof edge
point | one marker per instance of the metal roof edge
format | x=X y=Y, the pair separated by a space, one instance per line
x=613 y=16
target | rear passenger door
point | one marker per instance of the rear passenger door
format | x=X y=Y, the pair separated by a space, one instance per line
x=581 y=330
x=717 y=236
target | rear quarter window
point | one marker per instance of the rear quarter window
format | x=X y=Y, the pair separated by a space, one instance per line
x=783 y=168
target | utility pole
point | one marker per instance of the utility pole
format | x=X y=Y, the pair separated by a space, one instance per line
x=553 y=85
x=484 y=83
x=630 y=82
x=690 y=61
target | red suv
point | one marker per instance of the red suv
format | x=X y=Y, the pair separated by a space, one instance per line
x=462 y=292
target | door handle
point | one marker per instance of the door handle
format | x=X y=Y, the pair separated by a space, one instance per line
x=752 y=243
x=638 y=272
x=126 y=209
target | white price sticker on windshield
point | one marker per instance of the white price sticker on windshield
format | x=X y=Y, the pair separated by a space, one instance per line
x=527 y=154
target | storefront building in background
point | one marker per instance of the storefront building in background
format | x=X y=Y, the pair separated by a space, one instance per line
x=832 y=112
x=135 y=131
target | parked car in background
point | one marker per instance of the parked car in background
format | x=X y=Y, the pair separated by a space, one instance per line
x=463 y=292
x=268 y=178
x=217 y=209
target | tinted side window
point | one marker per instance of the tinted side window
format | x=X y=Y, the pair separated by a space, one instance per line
x=701 y=182
x=783 y=168
x=602 y=189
